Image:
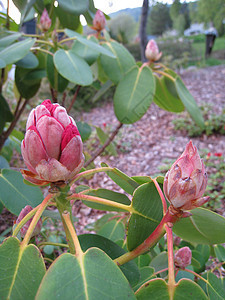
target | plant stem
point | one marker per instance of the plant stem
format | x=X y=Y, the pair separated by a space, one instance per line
x=32 y=35
x=42 y=50
x=160 y=271
x=76 y=243
x=67 y=39
x=37 y=216
x=161 y=195
x=165 y=74
x=7 y=16
x=100 y=201
x=42 y=244
x=74 y=98
x=90 y=172
x=46 y=43
x=171 y=281
x=154 y=237
x=102 y=148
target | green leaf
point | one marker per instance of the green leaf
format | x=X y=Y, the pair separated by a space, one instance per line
x=203 y=227
x=220 y=252
x=4 y=163
x=76 y=7
x=116 y=67
x=198 y=261
x=68 y=19
x=113 y=230
x=109 y=195
x=15 y=195
x=215 y=287
x=93 y=46
x=134 y=94
x=121 y=179
x=166 y=96
x=160 y=261
x=129 y=269
x=88 y=54
x=183 y=274
x=103 y=137
x=21 y=272
x=155 y=289
x=17 y=51
x=104 y=88
x=84 y=129
x=72 y=67
x=187 y=289
x=94 y=276
x=147 y=273
x=9 y=39
x=58 y=82
x=29 y=61
x=2 y=64
x=5 y=113
x=147 y=213
x=142 y=260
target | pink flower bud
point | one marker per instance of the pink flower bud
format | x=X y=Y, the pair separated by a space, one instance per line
x=25 y=227
x=99 y=21
x=45 y=21
x=182 y=257
x=186 y=181
x=52 y=147
x=152 y=51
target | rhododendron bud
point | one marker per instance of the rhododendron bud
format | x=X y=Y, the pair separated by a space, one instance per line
x=182 y=257
x=186 y=181
x=99 y=21
x=152 y=51
x=45 y=21
x=52 y=147
x=25 y=227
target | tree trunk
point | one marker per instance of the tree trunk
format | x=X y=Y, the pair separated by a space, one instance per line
x=142 y=31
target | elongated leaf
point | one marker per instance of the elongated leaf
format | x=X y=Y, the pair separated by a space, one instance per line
x=123 y=62
x=105 y=87
x=72 y=67
x=5 y=113
x=15 y=195
x=94 y=46
x=88 y=54
x=21 y=272
x=124 y=181
x=220 y=252
x=2 y=64
x=74 y=6
x=203 y=227
x=67 y=20
x=95 y=276
x=29 y=61
x=134 y=94
x=16 y=51
x=103 y=137
x=215 y=287
x=146 y=214
x=9 y=39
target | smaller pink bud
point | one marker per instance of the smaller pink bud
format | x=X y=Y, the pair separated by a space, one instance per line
x=99 y=21
x=25 y=227
x=182 y=257
x=45 y=21
x=152 y=51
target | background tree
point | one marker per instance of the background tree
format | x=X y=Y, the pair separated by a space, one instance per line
x=142 y=29
x=175 y=10
x=159 y=19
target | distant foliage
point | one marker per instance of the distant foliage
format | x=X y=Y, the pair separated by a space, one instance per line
x=159 y=19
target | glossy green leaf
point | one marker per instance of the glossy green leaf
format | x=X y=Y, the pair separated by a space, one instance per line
x=84 y=129
x=73 y=67
x=134 y=94
x=94 y=276
x=122 y=180
x=5 y=113
x=88 y=54
x=74 y=6
x=166 y=96
x=17 y=51
x=15 y=195
x=9 y=39
x=103 y=137
x=113 y=230
x=146 y=274
x=220 y=252
x=116 y=67
x=187 y=289
x=21 y=272
x=87 y=42
x=203 y=227
x=109 y=195
x=215 y=287
x=129 y=269
x=146 y=214
x=29 y=61
x=155 y=289
x=58 y=82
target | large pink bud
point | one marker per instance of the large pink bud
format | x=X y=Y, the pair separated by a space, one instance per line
x=186 y=181
x=182 y=257
x=152 y=51
x=25 y=227
x=99 y=21
x=45 y=21
x=52 y=147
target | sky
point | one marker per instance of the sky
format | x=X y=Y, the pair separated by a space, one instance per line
x=107 y=6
